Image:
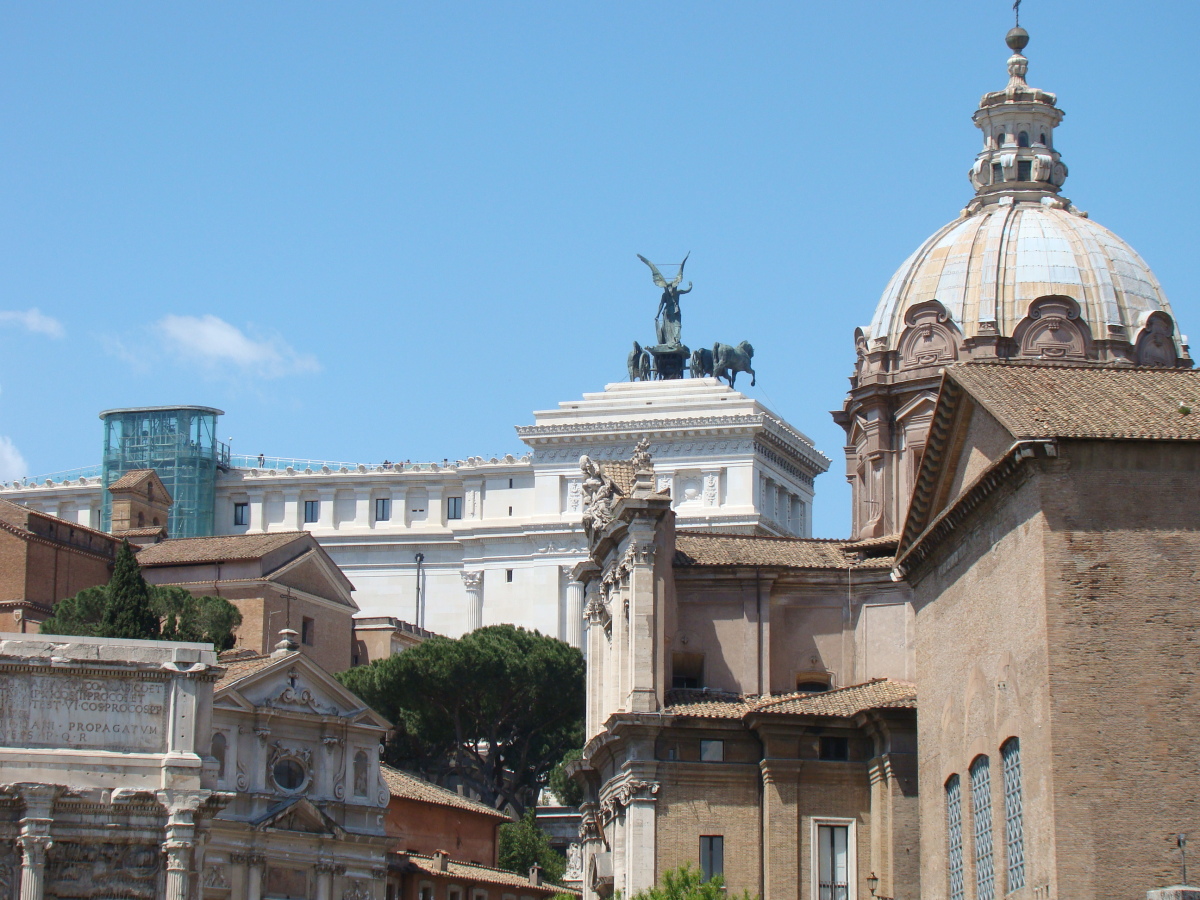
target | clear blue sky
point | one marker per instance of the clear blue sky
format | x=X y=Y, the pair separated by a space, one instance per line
x=394 y=230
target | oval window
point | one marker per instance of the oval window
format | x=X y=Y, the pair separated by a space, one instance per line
x=289 y=774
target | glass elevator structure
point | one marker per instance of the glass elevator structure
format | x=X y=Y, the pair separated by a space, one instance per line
x=180 y=444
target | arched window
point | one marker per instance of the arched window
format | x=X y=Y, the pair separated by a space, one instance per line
x=141 y=519
x=1014 y=826
x=219 y=746
x=1000 y=137
x=1023 y=139
x=360 y=773
x=954 y=844
x=981 y=813
x=1042 y=139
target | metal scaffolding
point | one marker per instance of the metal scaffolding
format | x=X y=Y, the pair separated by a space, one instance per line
x=180 y=444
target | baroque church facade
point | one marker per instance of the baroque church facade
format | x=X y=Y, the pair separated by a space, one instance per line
x=752 y=701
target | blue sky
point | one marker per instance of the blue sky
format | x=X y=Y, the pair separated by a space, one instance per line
x=394 y=230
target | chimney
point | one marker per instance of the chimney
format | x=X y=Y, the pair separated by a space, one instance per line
x=287 y=644
x=535 y=875
x=440 y=860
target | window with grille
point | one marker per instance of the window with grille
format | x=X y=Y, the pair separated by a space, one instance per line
x=833 y=862
x=1014 y=827
x=981 y=814
x=312 y=510
x=954 y=846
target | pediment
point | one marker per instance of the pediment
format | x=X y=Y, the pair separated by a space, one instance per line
x=296 y=685
x=314 y=573
x=922 y=404
x=299 y=815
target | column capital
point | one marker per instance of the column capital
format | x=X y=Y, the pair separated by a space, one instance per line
x=472 y=578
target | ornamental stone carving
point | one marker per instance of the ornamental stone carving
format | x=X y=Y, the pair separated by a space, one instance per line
x=629 y=790
x=600 y=494
x=930 y=338
x=1156 y=341
x=358 y=890
x=1053 y=330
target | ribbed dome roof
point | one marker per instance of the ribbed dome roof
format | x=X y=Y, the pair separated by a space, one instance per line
x=988 y=267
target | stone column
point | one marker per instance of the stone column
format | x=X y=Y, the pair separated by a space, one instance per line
x=642 y=836
x=473 y=581
x=254 y=862
x=34 y=839
x=180 y=835
x=574 y=609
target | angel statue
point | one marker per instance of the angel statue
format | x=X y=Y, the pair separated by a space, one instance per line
x=668 y=321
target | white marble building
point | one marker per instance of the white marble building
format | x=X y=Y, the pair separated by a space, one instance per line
x=498 y=538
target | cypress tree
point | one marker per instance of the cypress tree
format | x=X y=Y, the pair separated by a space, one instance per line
x=129 y=613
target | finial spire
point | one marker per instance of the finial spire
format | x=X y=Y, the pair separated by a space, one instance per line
x=1017 y=12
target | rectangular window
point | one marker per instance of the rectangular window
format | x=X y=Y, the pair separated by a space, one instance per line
x=510 y=510
x=454 y=507
x=426 y=892
x=687 y=671
x=1025 y=170
x=833 y=862
x=241 y=514
x=997 y=173
x=1014 y=826
x=954 y=844
x=308 y=630
x=712 y=751
x=835 y=749
x=712 y=856
x=510 y=482
x=312 y=510
x=383 y=509
x=981 y=815
x=508 y=575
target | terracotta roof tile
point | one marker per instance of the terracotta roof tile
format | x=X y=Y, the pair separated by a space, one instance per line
x=237 y=668
x=1056 y=401
x=702 y=549
x=621 y=472
x=211 y=549
x=130 y=479
x=881 y=693
x=143 y=532
x=473 y=872
x=411 y=787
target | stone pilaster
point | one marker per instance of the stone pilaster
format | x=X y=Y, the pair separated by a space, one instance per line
x=325 y=871
x=255 y=864
x=473 y=582
x=780 y=828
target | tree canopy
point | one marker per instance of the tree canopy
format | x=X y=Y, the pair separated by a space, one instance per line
x=567 y=790
x=522 y=844
x=686 y=883
x=494 y=710
x=128 y=607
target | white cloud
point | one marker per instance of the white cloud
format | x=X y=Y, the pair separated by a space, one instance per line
x=217 y=345
x=12 y=463
x=33 y=320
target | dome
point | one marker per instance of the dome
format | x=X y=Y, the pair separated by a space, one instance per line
x=988 y=268
x=1022 y=272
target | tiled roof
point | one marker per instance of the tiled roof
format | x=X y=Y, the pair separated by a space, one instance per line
x=15 y=518
x=410 y=787
x=621 y=472
x=143 y=532
x=702 y=549
x=1057 y=401
x=880 y=693
x=474 y=873
x=130 y=479
x=213 y=549
x=238 y=667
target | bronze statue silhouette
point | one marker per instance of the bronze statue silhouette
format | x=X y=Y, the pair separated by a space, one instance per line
x=668 y=321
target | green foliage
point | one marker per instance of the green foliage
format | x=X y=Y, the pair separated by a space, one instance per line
x=494 y=710
x=210 y=620
x=566 y=789
x=148 y=612
x=128 y=613
x=81 y=614
x=522 y=844
x=686 y=883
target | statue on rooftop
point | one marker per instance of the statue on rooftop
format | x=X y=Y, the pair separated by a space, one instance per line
x=668 y=321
